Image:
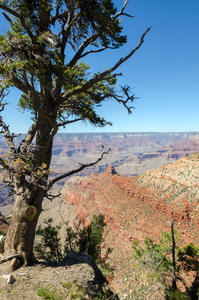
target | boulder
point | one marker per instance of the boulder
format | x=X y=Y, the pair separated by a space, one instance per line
x=83 y=271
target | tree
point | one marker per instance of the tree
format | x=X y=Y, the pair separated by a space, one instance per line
x=167 y=263
x=41 y=56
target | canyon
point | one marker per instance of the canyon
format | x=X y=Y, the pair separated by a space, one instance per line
x=130 y=153
x=139 y=207
x=145 y=178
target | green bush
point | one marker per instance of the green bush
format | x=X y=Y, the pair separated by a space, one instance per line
x=89 y=239
x=50 y=247
x=81 y=238
x=158 y=260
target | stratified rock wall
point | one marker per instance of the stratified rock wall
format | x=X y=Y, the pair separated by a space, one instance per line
x=139 y=207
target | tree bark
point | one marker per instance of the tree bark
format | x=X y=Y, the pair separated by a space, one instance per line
x=21 y=233
x=174 y=281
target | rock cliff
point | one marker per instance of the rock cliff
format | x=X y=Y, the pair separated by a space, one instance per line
x=3 y=223
x=139 y=207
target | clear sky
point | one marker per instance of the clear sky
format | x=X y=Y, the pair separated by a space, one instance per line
x=164 y=72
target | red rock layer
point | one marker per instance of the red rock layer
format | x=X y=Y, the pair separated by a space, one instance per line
x=139 y=207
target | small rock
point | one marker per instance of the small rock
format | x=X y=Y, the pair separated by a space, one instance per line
x=10 y=279
x=124 y=297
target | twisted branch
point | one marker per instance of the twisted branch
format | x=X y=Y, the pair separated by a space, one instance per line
x=82 y=167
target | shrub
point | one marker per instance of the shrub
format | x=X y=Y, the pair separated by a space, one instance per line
x=50 y=247
x=89 y=239
x=170 y=265
x=82 y=238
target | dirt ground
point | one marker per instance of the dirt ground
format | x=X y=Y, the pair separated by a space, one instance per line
x=76 y=277
x=28 y=279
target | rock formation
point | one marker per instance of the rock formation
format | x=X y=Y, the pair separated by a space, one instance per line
x=81 y=269
x=139 y=207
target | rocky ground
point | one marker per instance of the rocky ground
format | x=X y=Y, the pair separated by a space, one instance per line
x=76 y=278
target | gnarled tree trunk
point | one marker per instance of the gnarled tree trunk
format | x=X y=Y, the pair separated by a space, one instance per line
x=28 y=195
x=21 y=233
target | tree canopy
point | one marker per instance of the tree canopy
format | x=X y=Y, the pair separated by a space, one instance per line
x=44 y=49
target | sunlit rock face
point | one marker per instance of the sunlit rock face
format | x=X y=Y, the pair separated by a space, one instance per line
x=139 y=207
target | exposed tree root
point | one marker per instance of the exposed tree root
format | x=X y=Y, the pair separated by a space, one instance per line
x=9 y=258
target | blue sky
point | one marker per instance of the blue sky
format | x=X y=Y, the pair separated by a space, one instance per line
x=164 y=72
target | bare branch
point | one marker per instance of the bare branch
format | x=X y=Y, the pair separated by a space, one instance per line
x=3 y=94
x=5 y=129
x=8 y=136
x=87 y=42
x=131 y=98
x=160 y=262
x=95 y=51
x=7 y=17
x=9 y=258
x=150 y=265
x=52 y=197
x=77 y=226
x=20 y=85
x=101 y=76
x=122 y=60
x=69 y=122
x=29 y=137
x=58 y=16
x=66 y=30
x=122 y=11
x=82 y=167
x=4 y=164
